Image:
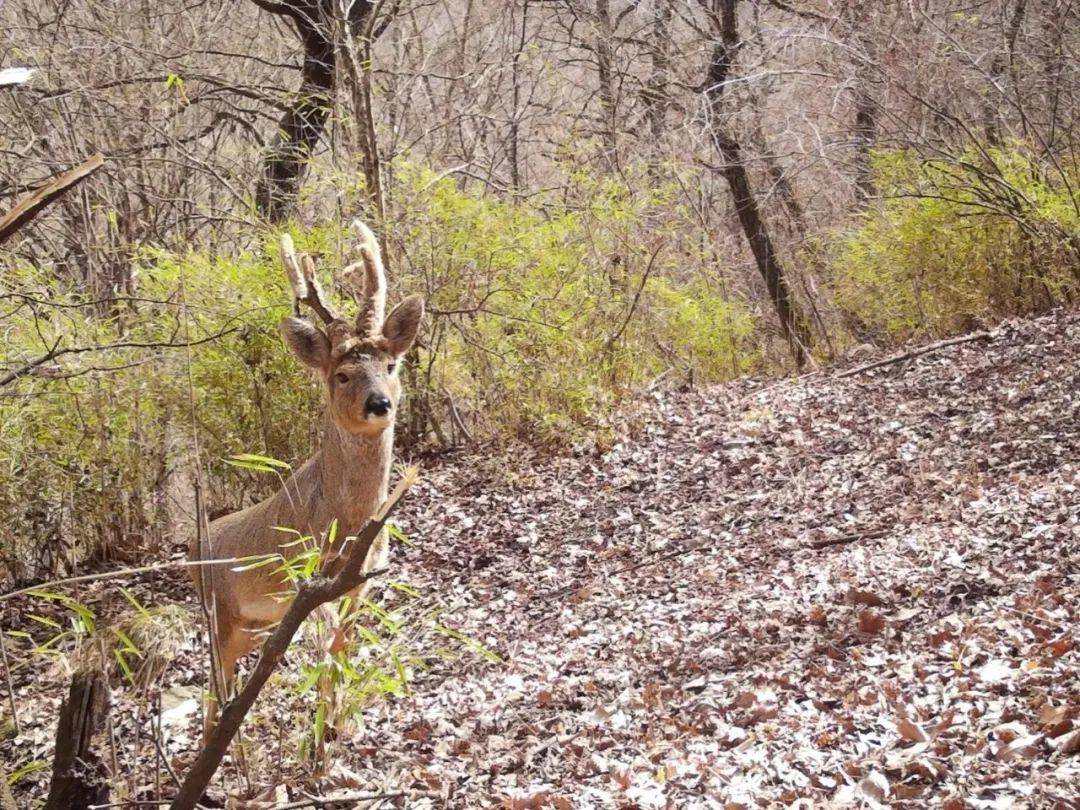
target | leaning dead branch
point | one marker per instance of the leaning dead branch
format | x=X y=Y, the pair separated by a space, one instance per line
x=31 y=206
x=932 y=347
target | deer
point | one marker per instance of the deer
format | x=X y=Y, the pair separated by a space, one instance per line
x=343 y=484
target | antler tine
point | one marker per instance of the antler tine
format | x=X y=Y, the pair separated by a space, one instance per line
x=373 y=303
x=305 y=286
x=293 y=271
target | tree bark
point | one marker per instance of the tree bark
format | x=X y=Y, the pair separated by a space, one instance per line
x=515 y=78
x=286 y=160
x=734 y=170
x=79 y=777
x=28 y=208
x=1001 y=68
x=656 y=86
x=864 y=127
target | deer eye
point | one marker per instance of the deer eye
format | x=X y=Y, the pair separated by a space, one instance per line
x=341 y=378
x=390 y=367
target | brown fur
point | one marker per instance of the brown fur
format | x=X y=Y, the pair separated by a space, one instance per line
x=346 y=480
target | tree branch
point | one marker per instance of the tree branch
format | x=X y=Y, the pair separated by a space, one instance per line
x=310 y=596
x=25 y=210
x=932 y=347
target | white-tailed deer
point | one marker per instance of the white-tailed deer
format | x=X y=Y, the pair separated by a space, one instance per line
x=345 y=481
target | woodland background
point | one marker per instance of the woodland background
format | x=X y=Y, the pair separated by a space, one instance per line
x=608 y=206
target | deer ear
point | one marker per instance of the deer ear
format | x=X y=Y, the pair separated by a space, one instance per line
x=309 y=343
x=401 y=325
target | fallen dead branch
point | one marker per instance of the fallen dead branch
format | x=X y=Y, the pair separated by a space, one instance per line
x=847 y=538
x=334 y=801
x=931 y=347
x=309 y=596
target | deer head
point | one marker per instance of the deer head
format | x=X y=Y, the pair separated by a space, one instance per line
x=358 y=360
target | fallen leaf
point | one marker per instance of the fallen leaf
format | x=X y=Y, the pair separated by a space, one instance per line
x=1020 y=748
x=871 y=623
x=911 y=731
x=1069 y=744
x=876 y=786
x=867 y=598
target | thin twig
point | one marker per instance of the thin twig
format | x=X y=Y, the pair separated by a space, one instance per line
x=10 y=688
x=932 y=347
x=124 y=572
x=159 y=744
x=324 y=801
x=637 y=297
x=55 y=352
x=847 y=538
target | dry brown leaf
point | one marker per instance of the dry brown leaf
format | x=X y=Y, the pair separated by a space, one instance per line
x=1069 y=744
x=745 y=700
x=876 y=786
x=1058 y=647
x=1020 y=748
x=866 y=598
x=1051 y=715
x=911 y=731
x=871 y=623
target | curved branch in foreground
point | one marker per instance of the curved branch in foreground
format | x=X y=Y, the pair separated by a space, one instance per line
x=310 y=596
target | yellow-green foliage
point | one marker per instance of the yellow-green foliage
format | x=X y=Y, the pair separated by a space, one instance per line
x=542 y=315
x=83 y=440
x=956 y=242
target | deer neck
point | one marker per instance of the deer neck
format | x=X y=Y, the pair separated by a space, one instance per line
x=353 y=475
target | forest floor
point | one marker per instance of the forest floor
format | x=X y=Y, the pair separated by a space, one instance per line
x=846 y=590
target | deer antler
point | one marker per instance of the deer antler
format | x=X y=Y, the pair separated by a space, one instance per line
x=305 y=287
x=373 y=300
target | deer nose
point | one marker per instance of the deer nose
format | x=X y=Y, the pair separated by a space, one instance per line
x=377 y=405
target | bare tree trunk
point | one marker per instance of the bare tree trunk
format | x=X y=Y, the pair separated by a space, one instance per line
x=656 y=86
x=603 y=47
x=302 y=126
x=864 y=128
x=356 y=55
x=734 y=170
x=1054 y=71
x=515 y=112
x=1001 y=67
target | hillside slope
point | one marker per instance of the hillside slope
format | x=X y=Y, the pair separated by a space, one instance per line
x=845 y=589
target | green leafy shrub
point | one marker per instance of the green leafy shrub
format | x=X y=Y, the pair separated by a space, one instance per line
x=84 y=448
x=958 y=241
x=545 y=315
